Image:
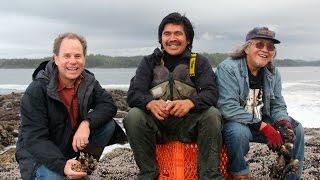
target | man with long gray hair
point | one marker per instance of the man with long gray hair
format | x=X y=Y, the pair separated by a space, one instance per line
x=251 y=102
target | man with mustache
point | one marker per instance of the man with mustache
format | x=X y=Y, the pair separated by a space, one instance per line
x=63 y=111
x=173 y=95
x=251 y=102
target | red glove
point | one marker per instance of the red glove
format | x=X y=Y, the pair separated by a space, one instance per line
x=273 y=137
x=283 y=123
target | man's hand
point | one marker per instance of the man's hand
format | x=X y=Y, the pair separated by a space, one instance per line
x=273 y=136
x=70 y=173
x=283 y=123
x=81 y=137
x=285 y=127
x=179 y=108
x=158 y=109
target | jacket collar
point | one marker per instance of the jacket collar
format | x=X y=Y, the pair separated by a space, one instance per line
x=49 y=73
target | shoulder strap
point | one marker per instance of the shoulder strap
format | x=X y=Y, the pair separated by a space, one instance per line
x=192 y=64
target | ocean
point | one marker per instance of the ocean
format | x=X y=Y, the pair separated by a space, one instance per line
x=301 y=87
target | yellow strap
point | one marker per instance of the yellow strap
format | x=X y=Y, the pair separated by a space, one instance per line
x=162 y=62
x=192 y=65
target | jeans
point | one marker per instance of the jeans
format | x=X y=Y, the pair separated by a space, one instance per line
x=144 y=132
x=43 y=173
x=99 y=137
x=237 y=137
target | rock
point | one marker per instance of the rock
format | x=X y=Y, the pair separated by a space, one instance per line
x=7 y=106
x=6 y=137
x=120 y=99
x=120 y=164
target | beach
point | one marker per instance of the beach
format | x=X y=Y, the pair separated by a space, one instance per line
x=118 y=162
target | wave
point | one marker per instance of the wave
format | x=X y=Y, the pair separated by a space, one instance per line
x=311 y=84
x=302 y=99
x=116 y=86
x=8 y=88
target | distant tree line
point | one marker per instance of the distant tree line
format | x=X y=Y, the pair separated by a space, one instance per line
x=102 y=61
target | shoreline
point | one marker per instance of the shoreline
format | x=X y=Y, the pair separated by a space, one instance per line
x=118 y=162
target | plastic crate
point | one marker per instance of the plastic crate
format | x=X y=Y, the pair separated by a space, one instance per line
x=178 y=161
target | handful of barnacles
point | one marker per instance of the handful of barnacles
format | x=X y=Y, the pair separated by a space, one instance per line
x=285 y=164
x=88 y=163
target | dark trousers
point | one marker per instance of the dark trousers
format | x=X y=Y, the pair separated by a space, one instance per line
x=144 y=132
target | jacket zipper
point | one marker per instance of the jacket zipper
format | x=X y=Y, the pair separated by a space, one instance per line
x=171 y=85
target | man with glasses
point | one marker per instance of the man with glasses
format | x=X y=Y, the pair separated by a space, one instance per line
x=251 y=102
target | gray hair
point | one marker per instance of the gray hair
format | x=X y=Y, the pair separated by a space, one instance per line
x=239 y=52
x=69 y=35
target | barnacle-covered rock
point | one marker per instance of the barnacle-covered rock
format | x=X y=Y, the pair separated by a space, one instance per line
x=285 y=164
x=87 y=163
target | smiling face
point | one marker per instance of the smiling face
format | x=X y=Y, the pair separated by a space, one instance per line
x=259 y=53
x=174 y=39
x=70 y=60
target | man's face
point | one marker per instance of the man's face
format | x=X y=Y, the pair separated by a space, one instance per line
x=259 y=53
x=174 y=39
x=70 y=60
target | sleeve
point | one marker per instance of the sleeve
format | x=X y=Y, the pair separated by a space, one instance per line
x=207 y=94
x=35 y=130
x=103 y=109
x=138 y=93
x=229 y=97
x=278 y=107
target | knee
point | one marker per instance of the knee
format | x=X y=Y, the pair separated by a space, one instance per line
x=236 y=133
x=212 y=118
x=299 y=132
x=133 y=119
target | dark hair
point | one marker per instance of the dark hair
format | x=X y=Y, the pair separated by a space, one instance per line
x=69 y=35
x=178 y=19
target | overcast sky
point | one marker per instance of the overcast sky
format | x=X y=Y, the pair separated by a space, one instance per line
x=126 y=28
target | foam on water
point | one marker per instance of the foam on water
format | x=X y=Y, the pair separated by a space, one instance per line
x=303 y=101
x=302 y=98
x=124 y=87
x=8 y=88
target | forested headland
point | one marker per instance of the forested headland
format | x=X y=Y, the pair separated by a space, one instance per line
x=103 y=61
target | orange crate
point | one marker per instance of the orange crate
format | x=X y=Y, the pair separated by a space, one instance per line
x=178 y=161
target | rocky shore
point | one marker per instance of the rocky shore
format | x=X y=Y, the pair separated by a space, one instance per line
x=120 y=164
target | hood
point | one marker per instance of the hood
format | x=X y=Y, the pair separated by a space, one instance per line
x=45 y=70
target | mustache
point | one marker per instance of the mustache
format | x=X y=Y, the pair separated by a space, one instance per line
x=175 y=42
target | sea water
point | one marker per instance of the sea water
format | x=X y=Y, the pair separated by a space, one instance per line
x=301 y=87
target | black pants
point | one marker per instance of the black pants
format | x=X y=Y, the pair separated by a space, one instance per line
x=144 y=132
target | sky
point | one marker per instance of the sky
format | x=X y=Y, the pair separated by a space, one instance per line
x=129 y=27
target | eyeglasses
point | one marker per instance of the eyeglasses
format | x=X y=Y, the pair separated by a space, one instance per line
x=261 y=44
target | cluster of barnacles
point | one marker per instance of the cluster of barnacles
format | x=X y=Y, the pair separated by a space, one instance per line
x=285 y=164
x=87 y=163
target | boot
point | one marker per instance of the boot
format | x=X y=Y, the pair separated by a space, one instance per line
x=241 y=177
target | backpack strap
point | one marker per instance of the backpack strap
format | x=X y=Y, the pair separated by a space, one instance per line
x=192 y=64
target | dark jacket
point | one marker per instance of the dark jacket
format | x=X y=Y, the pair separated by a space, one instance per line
x=45 y=132
x=139 y=91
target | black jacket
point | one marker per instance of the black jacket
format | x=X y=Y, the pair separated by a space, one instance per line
x=207 y=93
x=45 y=132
